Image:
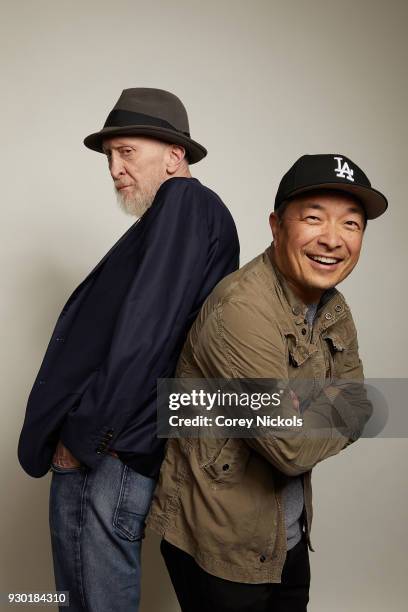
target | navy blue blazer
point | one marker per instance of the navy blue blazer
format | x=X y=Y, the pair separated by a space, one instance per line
x=123 y=328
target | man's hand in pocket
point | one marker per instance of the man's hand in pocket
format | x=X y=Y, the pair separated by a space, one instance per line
x=64 y=458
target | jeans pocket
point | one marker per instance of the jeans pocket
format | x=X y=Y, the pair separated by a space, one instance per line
x=58 y=469
x=135 y=496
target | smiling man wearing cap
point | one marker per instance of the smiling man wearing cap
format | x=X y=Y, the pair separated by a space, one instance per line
x=91 y=415
x=235 y=514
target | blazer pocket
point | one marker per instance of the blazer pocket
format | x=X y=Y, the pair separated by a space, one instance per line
x=135 y=495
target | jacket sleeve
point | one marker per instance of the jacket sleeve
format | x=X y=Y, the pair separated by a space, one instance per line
x=231 y=344
x=150 y=329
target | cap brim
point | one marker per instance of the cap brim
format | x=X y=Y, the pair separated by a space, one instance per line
x=194 y=150
x=374 y=202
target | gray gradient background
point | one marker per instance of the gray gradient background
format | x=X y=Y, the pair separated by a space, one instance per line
x=264 y=82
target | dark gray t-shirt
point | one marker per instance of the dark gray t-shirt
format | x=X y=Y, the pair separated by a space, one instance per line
x=293 y=490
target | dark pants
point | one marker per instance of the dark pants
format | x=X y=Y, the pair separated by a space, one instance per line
x=198 y=591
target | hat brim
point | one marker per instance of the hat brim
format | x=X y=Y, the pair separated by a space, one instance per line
x=373 y=201
x=194 y=150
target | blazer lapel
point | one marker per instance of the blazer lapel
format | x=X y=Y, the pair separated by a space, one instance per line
x=115 y=246
x=86 y=280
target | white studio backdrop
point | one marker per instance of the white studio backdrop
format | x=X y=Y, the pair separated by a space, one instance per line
x=264 y=82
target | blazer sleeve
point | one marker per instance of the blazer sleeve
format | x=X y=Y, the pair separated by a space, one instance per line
x=151 y=327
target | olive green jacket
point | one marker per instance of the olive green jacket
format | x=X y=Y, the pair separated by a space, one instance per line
x=220 y=500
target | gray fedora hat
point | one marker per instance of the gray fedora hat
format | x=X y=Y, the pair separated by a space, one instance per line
x=155 y=113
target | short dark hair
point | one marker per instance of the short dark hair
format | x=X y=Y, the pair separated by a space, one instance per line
x=280 y=211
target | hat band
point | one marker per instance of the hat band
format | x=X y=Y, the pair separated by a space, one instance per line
x=122 y=118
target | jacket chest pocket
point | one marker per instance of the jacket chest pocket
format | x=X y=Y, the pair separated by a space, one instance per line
x=333 y=349
x=226 y=465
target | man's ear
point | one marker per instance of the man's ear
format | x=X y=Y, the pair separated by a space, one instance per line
x=175 y=156
x=274 y=224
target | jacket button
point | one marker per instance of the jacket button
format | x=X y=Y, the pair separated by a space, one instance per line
x=328 y=316
x=304 y=331
x=296 y=310
x=338 y=308
x=60 y=339
x=262 y=558
x=225 y=467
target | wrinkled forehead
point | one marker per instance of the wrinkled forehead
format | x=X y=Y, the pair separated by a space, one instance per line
x=140 y=142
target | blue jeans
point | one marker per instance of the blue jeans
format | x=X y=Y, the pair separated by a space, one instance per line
x=97 y=521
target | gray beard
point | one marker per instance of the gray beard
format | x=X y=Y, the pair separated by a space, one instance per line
x=137 y=204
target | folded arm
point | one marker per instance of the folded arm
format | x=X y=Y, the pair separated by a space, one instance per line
x=236 y=343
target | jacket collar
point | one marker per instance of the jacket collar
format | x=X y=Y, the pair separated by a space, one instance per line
x=331 y=310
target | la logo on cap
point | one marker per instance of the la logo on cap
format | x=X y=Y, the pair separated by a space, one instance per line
x=343 y=170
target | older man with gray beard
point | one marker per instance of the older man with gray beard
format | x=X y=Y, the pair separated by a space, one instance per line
x=91 y=415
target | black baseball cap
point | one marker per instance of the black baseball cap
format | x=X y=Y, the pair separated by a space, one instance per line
x=331 y=171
